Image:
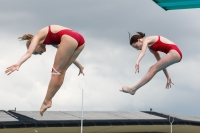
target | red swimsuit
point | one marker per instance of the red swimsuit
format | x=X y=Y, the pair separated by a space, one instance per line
x=163 y=47
x=55 y=38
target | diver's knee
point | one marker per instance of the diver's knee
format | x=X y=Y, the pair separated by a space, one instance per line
x=153 y=69
x=55 y=72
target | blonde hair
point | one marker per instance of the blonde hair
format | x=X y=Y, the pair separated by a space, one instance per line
x=28 y=37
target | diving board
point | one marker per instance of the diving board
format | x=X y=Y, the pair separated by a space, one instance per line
x=177 y=4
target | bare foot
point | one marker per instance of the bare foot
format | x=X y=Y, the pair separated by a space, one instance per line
x=45 y=106
x=126 y=89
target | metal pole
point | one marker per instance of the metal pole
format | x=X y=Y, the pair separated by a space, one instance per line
x=171 y=123
x=171 y=127
x=82 y=87
x=82 y=114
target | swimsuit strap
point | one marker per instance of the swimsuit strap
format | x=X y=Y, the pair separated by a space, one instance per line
x=158 y=38
x=50 y=28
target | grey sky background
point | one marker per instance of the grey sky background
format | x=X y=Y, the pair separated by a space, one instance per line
x=108 y=58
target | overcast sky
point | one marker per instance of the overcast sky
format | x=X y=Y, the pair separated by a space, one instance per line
x=108 y=58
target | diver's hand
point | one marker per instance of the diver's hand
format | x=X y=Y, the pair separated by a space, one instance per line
x=12 y=68
x=137 y=68
x=81 y=71
x=169 y=82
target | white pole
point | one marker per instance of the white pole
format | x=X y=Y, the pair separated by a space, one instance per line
x=82 y=86
x=171 y=127
x=82 y=114
x=171 y=122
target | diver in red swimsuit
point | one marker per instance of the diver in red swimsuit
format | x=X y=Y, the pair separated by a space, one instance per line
x=155 y=44
x=69 y=44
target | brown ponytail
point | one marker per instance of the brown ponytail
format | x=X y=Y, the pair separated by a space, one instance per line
x=129 y=35
x=135 y=38
x=141 y=34
x=28 y=37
